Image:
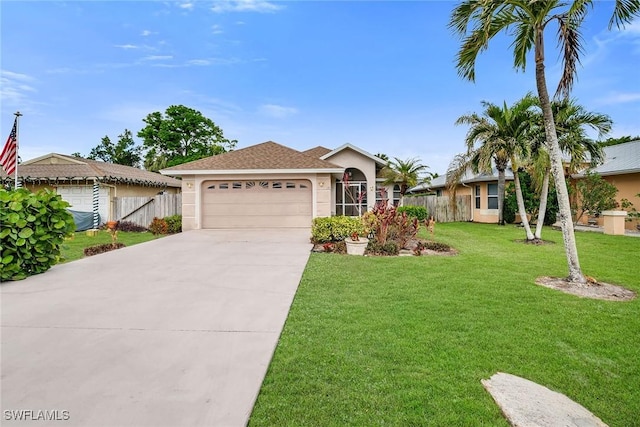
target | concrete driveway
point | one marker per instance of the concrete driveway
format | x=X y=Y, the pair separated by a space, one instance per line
x=175 y=332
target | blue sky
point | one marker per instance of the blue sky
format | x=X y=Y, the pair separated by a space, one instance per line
x=379 y=75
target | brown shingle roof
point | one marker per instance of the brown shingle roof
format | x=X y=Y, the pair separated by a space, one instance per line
x=267 y=155
x=317 y=152
x=107 y=172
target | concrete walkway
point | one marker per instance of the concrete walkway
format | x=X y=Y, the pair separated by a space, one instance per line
x=174 y=332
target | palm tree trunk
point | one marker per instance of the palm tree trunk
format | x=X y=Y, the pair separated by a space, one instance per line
x=501 y=180
x=521 y=209
x=544 y=196
x=555 y=155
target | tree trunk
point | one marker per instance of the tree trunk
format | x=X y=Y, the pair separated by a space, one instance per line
x=544 y=195
x=555 y=155
x=501 y=180
x=521 y=209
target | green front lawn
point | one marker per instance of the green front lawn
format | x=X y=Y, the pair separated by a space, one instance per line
x=73 y=248
x=405 y=341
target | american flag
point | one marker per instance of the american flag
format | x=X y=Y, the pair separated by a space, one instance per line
x=9 y=153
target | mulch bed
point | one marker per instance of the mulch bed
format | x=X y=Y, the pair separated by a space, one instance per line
x=429 y=249
x=591 y=289
x=100 y=249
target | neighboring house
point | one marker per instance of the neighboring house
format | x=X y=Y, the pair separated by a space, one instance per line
x=621 y=168
x=270 y=185
x=75 y=179
x=483 y=189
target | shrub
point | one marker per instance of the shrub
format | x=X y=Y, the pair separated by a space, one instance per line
x=418 y=212
x=158 y=226
x=386 y=224
x=174 y=223
x=436 y=246
x=33 y=226
x=128 y=226
x=389 y=248
x=335 y=228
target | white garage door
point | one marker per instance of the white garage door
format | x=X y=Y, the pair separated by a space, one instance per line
x=81 y=199
x=256 y=204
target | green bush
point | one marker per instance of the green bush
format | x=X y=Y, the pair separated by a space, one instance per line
x=174 y=223
x=389 y=248
x=335 y=228
x=33 y=226
x=419 y=212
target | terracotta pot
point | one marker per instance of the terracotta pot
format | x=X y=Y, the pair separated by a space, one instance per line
x=111 y=225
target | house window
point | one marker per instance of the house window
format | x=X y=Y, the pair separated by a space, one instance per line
x=249 y=185
x=438 y=193
x=477 y=196
x=264 y=184
x=291 y=185
x=382 y=195
x=351 y=199
x=492 y=196
x=237 y=185
x=223 y=186
x=396 y=195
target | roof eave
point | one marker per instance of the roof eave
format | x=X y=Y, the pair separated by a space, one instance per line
x=174 y=172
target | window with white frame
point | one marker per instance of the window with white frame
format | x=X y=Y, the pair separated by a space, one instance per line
x=351 y=193
x=492 y=196
x=396 y=195
x=477 y=194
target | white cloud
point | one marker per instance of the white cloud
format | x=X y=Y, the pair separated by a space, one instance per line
x=146 y=33
x=277 y=111
x=216 y=29
x=157 y=58
x=186 y=5
x=200 y=62
x=126 y=46
x=15 y=87
x=261 y=6
x=620 y=98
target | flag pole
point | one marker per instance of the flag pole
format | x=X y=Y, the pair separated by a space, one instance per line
x=17 y=114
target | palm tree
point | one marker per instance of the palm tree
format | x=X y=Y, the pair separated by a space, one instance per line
x=478 y=21
x=503 y=133
x=406 y=173
x=571 y=120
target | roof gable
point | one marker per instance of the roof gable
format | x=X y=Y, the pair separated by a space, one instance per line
x=352 y=147
x=265 y=156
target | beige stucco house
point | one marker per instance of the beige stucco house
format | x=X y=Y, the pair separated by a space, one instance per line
x=481 y=187
x=621 y=167
x=77 y=179
x=270 y=185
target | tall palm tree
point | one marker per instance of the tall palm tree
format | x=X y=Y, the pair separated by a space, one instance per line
x=502 y=133
x=406 y=173
x=571 y=121
x=478 y=21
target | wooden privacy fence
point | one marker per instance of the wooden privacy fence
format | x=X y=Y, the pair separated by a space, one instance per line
x=142 y=210
x=441 y=209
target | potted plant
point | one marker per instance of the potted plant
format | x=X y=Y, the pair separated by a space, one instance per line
x=356 y=244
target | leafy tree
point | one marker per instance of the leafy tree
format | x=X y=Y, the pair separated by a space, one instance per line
x=478 y=21
x=502 y=133
x=180 y=135
x=621 y=140
x=76 y=154
x=124 y=152
x=406 y=173
x=531 y=199
x=595 y=195
x=382 y=156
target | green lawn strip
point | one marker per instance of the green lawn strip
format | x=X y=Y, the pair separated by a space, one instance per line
x=73 y=248
x=406 y=340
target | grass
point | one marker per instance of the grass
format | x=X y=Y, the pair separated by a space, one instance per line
x=405 y=341
x=73 y=248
